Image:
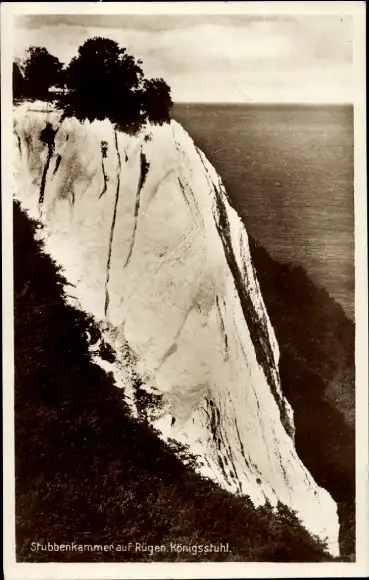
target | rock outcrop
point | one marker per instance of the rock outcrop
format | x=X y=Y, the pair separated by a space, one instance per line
x=151 y=247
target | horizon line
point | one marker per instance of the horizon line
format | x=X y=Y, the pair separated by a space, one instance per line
x=268 y=103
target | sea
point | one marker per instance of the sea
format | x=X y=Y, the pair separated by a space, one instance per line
x=289 y=173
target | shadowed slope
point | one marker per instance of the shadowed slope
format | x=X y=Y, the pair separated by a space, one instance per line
x=86 y=472
x=317 y=346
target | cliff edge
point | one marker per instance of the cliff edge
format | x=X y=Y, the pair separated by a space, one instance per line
x=151 y=247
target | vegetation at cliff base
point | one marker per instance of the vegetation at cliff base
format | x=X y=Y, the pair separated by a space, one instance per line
x=317 y=350
x=102 y=82
x=86 y=472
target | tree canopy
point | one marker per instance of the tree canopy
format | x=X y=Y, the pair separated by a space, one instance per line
x=156 y=100
x=102 y=81
x=42 y=70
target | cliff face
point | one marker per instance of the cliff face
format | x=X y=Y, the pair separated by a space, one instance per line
x=151 y=247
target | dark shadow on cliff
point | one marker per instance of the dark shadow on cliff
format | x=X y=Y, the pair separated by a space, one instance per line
x=86 y=472
x=317 y=368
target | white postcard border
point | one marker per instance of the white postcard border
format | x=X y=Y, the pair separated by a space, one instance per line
x=100 y=571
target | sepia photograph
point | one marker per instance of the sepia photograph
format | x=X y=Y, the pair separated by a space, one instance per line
x=185 y=289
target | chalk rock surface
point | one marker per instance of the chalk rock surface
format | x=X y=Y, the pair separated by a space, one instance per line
x=151 y=247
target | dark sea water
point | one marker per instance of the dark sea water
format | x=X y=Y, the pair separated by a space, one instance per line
x=289 y=173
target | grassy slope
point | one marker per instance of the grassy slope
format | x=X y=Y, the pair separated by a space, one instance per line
x=86 y=472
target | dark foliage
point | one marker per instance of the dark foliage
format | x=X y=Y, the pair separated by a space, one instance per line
x=18 y=81
x=156 y=101
x=317 y=346
x=106 y=82
x=42 y=70
x=103 y=80
x=86 y=472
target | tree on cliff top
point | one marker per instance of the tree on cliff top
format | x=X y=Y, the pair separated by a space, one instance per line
x=156 y=100
x=106 y=82
x=42 y=70
x=103 y=81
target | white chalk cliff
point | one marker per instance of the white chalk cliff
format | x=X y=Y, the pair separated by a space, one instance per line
x=151 y=247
